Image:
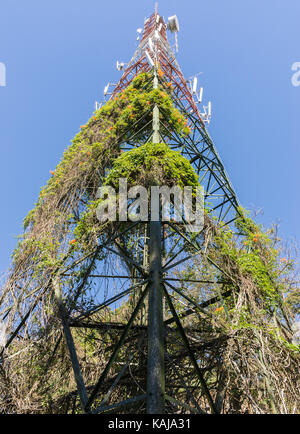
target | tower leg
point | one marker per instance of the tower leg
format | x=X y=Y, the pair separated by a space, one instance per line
x=71 y=347
x=155 y=368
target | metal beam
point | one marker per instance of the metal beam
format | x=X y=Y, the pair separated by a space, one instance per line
x=117 y=348
x=155 y=364
x=191 y=354
x=155 y=367
x=70 y=343
x=125 y=403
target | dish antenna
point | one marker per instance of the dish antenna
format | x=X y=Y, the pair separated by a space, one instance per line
x=173 y=26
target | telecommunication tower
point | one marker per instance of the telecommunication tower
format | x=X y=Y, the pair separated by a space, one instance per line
x=156 y=359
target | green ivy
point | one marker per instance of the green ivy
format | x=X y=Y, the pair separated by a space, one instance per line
x=98 y=142
x=148 y=159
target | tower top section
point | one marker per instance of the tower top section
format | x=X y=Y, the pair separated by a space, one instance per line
x=154 y=41
x=155 y=25
x=154 y=53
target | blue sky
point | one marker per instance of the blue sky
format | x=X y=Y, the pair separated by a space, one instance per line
x=59 y=55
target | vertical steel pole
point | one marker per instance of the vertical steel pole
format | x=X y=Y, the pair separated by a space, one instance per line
x=155 y=367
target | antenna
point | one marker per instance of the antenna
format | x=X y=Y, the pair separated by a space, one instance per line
x=149 y=59
x=156 y=35
x=206 y=115
x=200 y=95
x=142 y=321
x=209 y=109
x=106 y=89
x=193 y=82
x=194 y=87
x=120 y=65
x=139 y=31
x=173 y=26
x=98 y=105
x=151 y=46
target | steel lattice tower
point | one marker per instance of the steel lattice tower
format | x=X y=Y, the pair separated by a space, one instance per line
x=159 y=303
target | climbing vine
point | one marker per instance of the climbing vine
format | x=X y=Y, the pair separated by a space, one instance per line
x=72 y=187
x=242 y=338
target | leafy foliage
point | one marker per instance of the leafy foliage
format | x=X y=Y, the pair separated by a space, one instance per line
x=242 y=340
